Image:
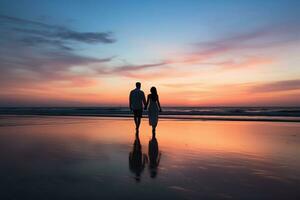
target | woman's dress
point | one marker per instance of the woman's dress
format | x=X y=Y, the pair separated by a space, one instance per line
x=153 y=112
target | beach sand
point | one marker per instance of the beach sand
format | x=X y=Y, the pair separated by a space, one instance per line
x=89 y=158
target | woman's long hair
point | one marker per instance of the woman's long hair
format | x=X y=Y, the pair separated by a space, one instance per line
x=154 y=95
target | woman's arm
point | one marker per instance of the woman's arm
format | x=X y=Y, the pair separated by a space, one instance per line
x=158 y=104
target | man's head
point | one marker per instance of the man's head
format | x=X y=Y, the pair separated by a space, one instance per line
x=138 y=85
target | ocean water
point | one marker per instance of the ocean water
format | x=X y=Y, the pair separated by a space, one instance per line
x=71 y=157
x=217 y=113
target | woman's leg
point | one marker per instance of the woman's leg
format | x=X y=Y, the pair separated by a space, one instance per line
x=153 y=132
x=153 y=128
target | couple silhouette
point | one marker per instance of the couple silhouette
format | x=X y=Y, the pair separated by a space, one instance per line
x=137 y=100
x=138 y=103
x=138 y=160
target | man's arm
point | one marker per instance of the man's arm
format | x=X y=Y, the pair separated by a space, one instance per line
x=146 y=105
x=144 y=99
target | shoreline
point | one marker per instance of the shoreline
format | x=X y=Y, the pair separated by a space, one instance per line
x=172 y=117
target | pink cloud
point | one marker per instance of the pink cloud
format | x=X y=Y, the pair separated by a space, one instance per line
x=249 y=62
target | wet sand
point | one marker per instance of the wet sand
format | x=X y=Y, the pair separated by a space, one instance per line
x=102 y=158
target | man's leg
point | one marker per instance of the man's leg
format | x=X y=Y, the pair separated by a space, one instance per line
x=137 y=118
x=153 y=132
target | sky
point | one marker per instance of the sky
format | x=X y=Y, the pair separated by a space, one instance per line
x=196 y=53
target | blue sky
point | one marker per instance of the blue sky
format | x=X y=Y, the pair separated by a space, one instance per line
x=151 y=33
x=172 y=22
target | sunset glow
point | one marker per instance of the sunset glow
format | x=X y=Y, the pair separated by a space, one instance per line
x=201 y=53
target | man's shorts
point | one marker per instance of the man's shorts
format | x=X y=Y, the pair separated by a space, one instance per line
x=138 y=113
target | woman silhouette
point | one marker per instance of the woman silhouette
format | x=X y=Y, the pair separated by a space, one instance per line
x=153 y=109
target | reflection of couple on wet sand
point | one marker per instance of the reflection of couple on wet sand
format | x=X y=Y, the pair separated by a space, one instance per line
x=136 y=101
x=138 y=160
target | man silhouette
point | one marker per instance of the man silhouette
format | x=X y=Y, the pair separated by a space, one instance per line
x=136 y=101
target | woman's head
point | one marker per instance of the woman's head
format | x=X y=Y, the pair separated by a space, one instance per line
x=153 y=91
